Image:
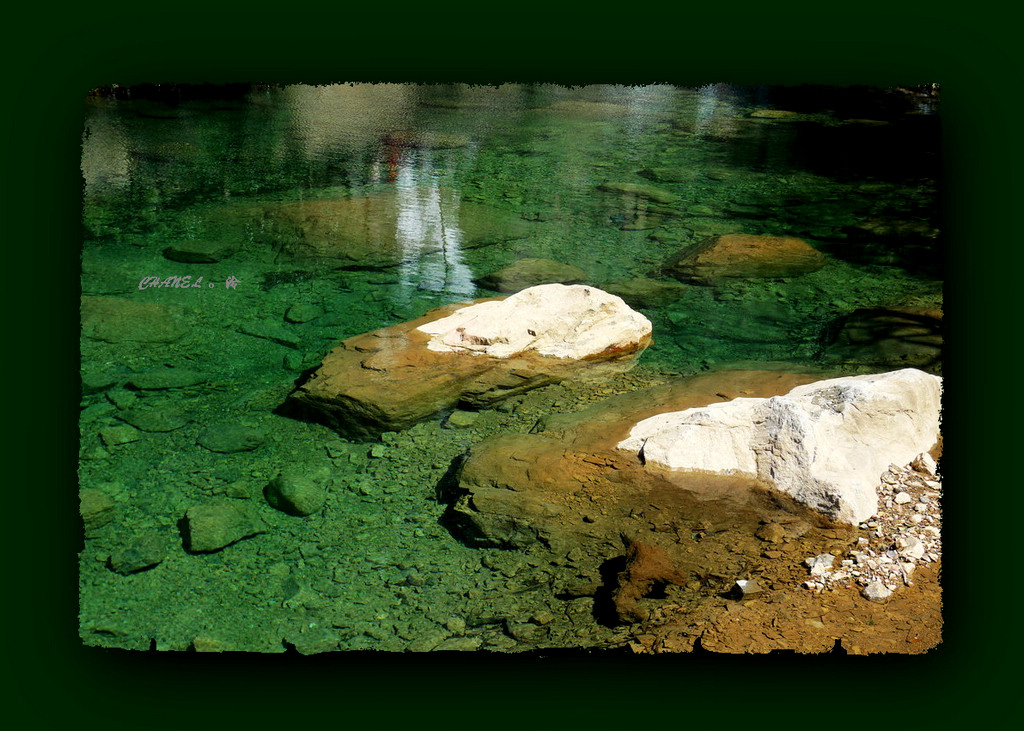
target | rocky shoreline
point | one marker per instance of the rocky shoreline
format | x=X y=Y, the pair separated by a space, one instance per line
x=904 y=533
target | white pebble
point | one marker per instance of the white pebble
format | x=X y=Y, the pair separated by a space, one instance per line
x=820 y=564
x=876 y=591
x=910 y=546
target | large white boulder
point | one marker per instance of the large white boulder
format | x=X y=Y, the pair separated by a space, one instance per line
x=826 y=443
x=555 y=320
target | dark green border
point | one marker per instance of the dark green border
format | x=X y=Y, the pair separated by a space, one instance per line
x=52 y=60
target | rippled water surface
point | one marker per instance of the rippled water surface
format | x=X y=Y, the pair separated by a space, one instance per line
x=306 y=215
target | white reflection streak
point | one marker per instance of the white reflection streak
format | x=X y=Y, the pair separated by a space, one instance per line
x=429 y=237
x=643 y=102
x=106 y=160
x=707 y=102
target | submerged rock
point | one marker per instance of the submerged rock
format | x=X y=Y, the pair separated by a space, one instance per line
x=673 y=174
x=96 y=508
x=647 y=568
x=530 y=272
x=211 y=527
x=228 y=438
x=745 y=255
x=117 y=320
x=746 y=588
x=141 y=553
x=157 y=379
x=297 y=491
x=459 y=419
x=115 y=436
x=97 y=382
x=888 y=336
x=649 y=192
x=200 y=252
x=162 y=418
x=645 y=292
x=376 y=231
x=775 y=114
x=473 y=354
x=303 y=312
x=890 y=228
x=825 y=443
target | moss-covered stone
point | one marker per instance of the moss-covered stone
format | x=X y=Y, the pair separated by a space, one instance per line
x=117 y=320
x=140 y=553
x=297 y=491
x=213 y=526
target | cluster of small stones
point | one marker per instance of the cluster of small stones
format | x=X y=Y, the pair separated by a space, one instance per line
x=904 y=533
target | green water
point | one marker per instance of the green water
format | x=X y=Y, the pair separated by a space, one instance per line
x=613 y=180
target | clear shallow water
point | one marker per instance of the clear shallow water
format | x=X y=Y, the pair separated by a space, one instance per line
x=446 y=172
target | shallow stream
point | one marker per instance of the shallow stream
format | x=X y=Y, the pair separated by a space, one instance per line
x=221 y=185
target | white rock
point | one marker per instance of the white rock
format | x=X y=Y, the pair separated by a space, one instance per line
x=924 y=464
x=748 y=587
x=557 y=320
x=910 y=546
x=820 y=564
x=826 y=443
x=719 y=438
x=876 y=591
x=902 y=498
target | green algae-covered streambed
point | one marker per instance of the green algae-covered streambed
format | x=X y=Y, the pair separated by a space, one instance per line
x=302 y=216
